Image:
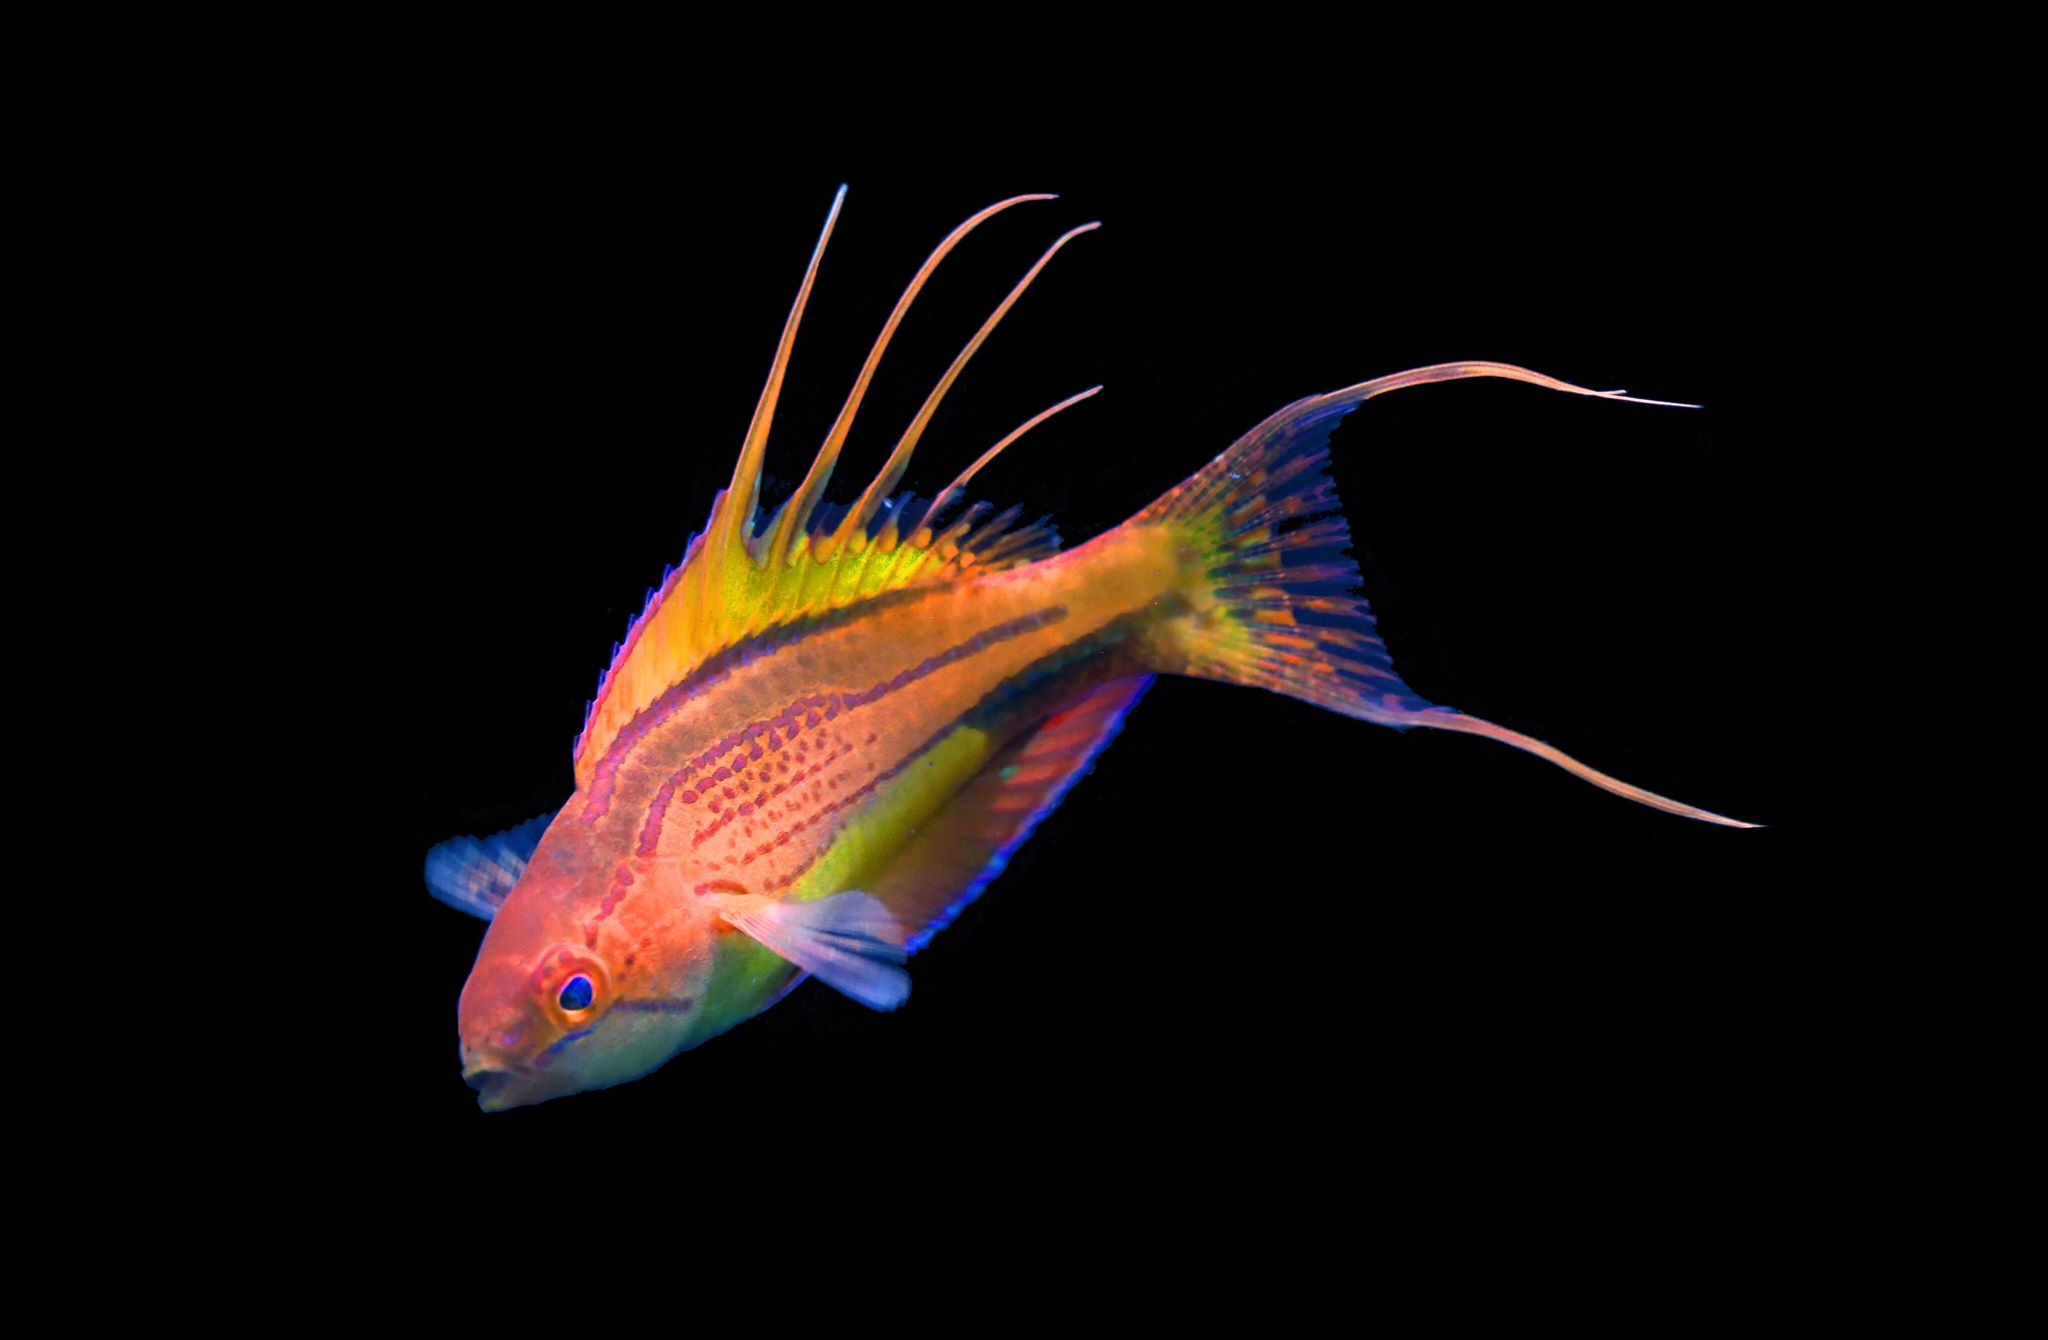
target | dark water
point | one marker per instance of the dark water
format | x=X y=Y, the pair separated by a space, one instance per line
x=1261 y=945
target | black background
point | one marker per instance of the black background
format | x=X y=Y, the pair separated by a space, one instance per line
x=1261 y=945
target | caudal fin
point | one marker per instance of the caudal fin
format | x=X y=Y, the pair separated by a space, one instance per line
x=1277 y=606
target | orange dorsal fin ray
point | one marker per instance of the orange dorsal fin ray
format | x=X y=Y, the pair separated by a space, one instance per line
x=795 y=518
x=736 y=582
x=891 y=473
x=736 y=517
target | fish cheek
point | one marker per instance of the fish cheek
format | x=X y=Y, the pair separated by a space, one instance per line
x=643 y=1040
x=664 y=954
x=652 y=1014
x=669 y=1005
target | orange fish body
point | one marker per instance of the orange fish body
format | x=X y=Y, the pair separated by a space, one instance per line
x=820 y=741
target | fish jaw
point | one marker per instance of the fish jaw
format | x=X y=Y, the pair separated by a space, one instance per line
x=500 y=1085
x=499 y=1041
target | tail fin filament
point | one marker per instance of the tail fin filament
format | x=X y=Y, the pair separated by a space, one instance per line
x=1276 y=606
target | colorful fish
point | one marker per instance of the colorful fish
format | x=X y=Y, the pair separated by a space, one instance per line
x=827 y=731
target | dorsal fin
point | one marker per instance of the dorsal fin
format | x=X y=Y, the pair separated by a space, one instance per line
x=734 y=583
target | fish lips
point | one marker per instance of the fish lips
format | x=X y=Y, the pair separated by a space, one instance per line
x=501 y=1082
x=498 y=1088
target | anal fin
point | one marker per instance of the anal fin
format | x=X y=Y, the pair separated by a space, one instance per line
x=952 y=858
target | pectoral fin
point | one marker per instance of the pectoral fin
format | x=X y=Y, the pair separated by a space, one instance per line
x=848 y=941
x=473 y=875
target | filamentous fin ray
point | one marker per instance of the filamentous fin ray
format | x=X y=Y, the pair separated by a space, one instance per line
x=741 y=495
x=956 y=490
x=892 y=470
x=1441 y=718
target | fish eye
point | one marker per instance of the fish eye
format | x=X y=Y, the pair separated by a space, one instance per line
x=577 y=993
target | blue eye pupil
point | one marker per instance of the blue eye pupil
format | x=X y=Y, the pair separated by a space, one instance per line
x=577 y=993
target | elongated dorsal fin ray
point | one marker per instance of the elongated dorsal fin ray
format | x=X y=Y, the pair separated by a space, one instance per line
x=956 y=490
x=892 y=470
x=795 y=517
x=734 y=583
x=740 y=496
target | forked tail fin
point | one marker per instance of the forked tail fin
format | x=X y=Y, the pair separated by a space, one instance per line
x=1277 y=607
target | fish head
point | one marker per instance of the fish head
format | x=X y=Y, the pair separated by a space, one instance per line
x=552 y=1008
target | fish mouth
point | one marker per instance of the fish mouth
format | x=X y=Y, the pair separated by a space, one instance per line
x=496 y=1088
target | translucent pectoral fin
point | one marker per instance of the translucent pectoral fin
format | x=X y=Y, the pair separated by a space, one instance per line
x=473 y=875
x=848 y=941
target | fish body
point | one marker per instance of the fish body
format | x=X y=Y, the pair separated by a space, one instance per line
x=825 y=734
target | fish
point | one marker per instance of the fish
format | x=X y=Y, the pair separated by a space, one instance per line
x=832 y=725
